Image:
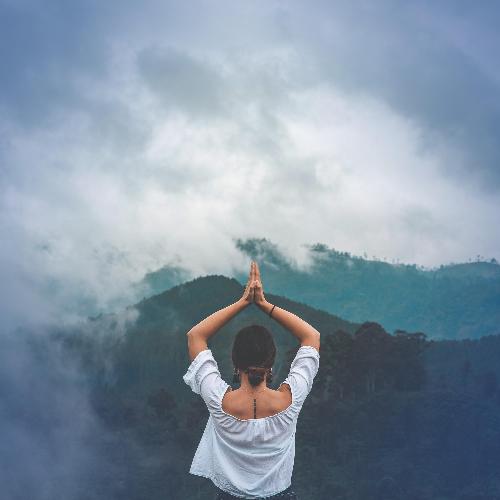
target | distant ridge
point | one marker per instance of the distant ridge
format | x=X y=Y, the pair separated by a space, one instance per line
x=454 y=301
x=155 y=347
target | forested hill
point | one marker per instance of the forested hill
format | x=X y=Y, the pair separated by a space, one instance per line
x=146 y=343
x=145 y=346
x=389 y=416
x=453 y=301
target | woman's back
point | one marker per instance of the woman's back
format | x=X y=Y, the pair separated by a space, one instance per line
x=243 y=455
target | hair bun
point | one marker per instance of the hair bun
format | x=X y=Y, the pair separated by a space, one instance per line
x=256 y=374
x=259 y=369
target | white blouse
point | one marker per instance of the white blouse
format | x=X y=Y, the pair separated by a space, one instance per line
x=252 y=457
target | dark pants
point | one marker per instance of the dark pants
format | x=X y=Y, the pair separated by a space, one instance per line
x=288 y=494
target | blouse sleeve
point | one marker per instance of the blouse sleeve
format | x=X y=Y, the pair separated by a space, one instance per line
x=204 y=378
x=303 y=369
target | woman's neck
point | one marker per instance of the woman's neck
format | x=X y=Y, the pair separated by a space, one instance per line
x=248 y=387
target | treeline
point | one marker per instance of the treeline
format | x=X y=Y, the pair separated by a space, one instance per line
x=466 y=366
x=390 y=416
x=371 y=360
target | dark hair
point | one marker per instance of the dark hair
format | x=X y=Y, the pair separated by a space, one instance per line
x=254 y=352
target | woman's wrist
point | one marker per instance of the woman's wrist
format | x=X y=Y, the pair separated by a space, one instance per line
x=243 y=303
x=265 y=306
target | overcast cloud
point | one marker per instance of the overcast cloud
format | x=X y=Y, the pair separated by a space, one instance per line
x=133 y=136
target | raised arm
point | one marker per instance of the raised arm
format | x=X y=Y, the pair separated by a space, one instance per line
x=305 y=333
x=198 y=336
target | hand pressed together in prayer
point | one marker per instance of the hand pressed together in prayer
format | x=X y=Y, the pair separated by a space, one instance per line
x=254 y=292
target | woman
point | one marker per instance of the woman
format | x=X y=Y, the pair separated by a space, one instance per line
x=248 y=445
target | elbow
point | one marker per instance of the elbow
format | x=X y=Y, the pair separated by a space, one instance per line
x=192 y=334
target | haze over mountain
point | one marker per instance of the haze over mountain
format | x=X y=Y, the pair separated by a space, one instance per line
x=453 y=301
x=154 y=347
x=384 y=403
x=146 y=147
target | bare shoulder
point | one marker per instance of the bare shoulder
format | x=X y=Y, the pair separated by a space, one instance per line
x=284 y=388
x=286 y=394
x=227 y=398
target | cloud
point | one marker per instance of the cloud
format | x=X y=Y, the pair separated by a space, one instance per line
x=131 y=138
x=135 y=137
x=44 y=49
x=421 y=59
x=47 y=424
x=181 y=81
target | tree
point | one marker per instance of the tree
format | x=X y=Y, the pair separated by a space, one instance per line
x=336 y=371
x=407 y=368
x=371 y=349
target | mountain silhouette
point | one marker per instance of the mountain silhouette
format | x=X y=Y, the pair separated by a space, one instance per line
x=453 y=301
x=382 y=404
x=153 y=348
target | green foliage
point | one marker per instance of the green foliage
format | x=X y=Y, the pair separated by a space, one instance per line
x=389 y=416
x=454 y=301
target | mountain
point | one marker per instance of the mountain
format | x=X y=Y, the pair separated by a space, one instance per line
x=389 y=415
x=155 y=282
x=146 y=343
x=454 y=301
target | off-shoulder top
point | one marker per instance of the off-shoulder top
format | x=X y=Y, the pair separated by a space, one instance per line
x=248 y=458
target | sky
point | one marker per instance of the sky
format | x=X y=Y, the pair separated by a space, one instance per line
x=135 y=135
